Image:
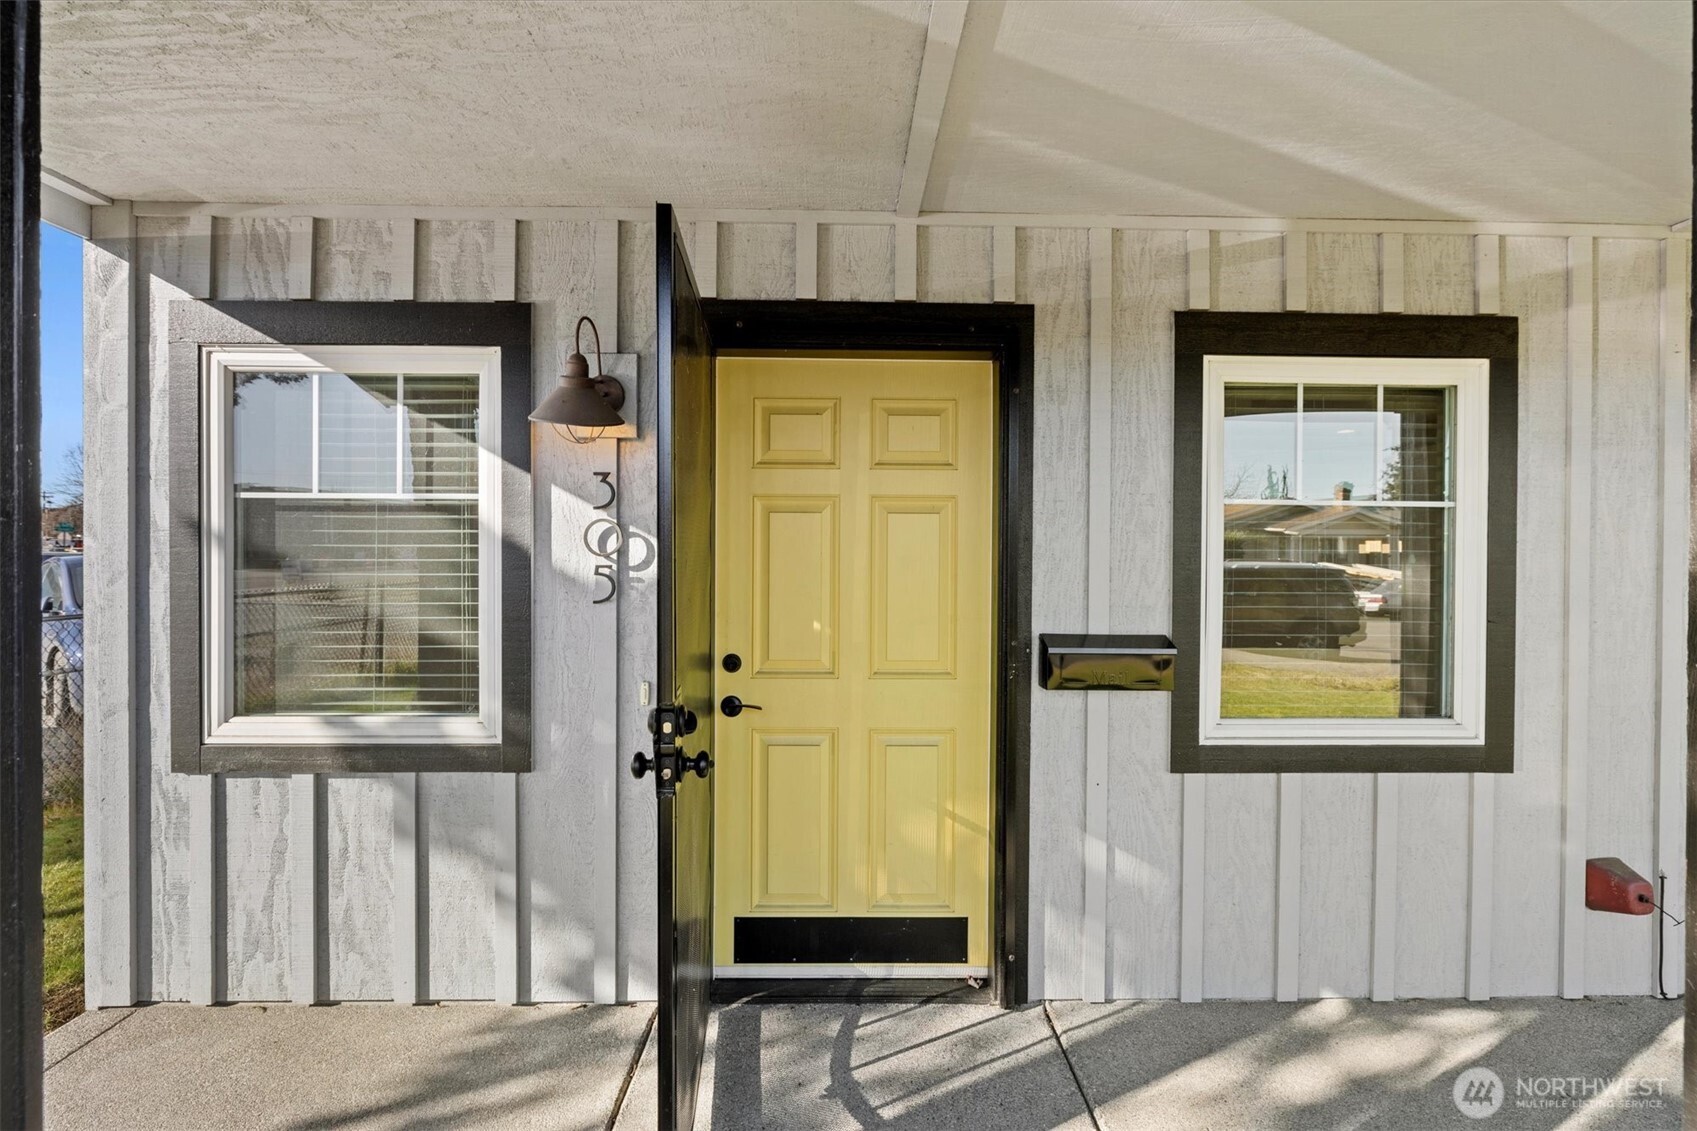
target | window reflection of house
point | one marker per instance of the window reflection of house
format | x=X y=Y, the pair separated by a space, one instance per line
x=1294 y=532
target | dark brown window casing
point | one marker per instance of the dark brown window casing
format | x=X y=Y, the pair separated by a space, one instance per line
x=196 y=325
x=1201 y=333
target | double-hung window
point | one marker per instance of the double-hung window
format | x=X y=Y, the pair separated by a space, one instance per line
x=1343 y=542
x=1344 y=529
x=351 y=546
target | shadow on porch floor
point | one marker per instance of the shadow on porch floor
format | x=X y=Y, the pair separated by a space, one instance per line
x=1142 y=1065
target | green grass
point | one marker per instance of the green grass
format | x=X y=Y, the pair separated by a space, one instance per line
x=62 y=905
x=1249 y=691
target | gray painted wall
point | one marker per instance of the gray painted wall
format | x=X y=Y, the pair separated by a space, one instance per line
x=415 y=887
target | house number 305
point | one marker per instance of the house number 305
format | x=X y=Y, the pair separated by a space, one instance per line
x=604 y=539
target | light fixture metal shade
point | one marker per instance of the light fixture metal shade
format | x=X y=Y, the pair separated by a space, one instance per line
x=582 y=402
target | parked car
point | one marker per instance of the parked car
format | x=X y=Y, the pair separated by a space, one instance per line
x=1290 y=605
x=61 y=640
x=1389 y=598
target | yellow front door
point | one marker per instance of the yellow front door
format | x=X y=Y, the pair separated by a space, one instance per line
x=855 y=565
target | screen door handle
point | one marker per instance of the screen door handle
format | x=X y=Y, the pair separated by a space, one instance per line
x=730 y=706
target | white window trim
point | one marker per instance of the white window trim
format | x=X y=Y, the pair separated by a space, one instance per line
x=1470 y=378
x=220 y=725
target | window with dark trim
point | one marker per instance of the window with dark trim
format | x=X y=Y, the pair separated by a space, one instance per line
x=350 y=542
x=1344 y=531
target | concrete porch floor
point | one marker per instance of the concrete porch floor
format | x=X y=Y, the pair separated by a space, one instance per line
x=1132 y=1065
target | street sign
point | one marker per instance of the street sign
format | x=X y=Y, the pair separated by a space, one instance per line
x=66 y=528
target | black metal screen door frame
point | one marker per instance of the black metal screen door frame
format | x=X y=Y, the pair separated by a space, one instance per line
x=20 y=572
x=683 y=723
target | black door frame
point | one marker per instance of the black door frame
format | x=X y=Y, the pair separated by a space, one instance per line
x=1006 y=332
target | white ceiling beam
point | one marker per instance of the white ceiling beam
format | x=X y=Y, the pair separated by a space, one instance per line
x=65 y=211
x=936 y=68
x=73 y=189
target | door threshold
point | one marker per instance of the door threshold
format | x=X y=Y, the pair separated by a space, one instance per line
x=801 y=971
x=900 y=991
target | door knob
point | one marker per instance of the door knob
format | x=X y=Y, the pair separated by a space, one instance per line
x=730 y=707
x=700 y=764
x=640 y=764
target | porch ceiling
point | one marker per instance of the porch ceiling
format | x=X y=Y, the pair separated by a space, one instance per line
x=1408 y=109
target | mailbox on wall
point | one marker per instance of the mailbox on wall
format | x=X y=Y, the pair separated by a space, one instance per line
x=1106 y=663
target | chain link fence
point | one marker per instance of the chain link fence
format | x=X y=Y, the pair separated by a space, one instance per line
x=61 y=709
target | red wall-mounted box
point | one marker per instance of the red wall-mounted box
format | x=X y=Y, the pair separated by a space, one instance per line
x=1611 y=886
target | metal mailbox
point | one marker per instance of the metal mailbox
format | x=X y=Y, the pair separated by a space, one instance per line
x=1106 y=663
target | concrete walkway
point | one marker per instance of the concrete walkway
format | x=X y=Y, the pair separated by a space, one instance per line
x=1133 y=1065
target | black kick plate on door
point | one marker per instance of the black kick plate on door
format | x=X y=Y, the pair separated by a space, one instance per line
x=855 y=939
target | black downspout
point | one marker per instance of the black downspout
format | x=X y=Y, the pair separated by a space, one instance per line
x=20 y=572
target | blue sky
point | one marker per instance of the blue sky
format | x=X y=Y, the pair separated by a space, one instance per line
x=61 y=349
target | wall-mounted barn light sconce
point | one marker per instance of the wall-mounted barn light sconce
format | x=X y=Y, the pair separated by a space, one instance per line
x=582 y=401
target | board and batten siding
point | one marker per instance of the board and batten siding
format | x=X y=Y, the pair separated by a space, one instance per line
x=1144 y=884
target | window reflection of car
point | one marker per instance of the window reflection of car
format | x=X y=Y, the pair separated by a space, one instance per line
x=1386 y=598
x=1290 y=605
x=61 y=640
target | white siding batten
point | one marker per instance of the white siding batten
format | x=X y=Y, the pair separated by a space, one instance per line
x=1002 y=263
x=1288 y=925
x=1581 y=358
x=1385 y=788
x=599 y=646
x=907 y=262
x=300 y=257
x=196 y=278
x=1099 y=551
x=406 y=260
x=1144 y=796
x=606 y=312
x=1296 y=268
x=504 y=871
x=1487 y=270
x=1391 y=272
x=207 y=934
x=113 y=582
x=704 y=259
x=806 y=259
x=1201 y=244
x=1192 y=907
x=1482 y=797
x=1481 y=884
x=504 y=267
x=404 y=869
x=304 y=857
x=1676 y=503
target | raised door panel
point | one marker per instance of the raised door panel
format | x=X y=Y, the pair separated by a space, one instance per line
x=795 y=585
x=913 y=809
x=799 y=432
x=794 y=846
x=913 y=586
x=913 y=434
